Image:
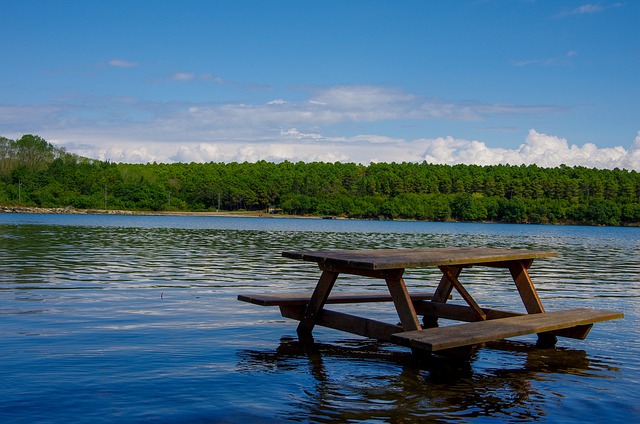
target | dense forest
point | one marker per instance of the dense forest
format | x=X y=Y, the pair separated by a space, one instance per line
x=34 y=172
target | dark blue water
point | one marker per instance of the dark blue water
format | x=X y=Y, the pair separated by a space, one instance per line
x=135 y=319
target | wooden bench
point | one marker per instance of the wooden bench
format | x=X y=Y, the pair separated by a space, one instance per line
x=293 y=306
x=473 y=333
x=297 y=299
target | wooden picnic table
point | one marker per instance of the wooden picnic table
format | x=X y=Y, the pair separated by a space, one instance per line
x=481 y=324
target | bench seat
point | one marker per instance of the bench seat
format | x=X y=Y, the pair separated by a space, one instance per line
x=303 y=299
x=468 y=334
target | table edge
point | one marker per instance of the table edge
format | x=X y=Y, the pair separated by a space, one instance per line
x=327 y=257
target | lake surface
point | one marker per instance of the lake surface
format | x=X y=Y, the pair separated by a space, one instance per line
x=135 y=319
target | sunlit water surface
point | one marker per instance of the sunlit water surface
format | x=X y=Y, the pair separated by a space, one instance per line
x=135 y=319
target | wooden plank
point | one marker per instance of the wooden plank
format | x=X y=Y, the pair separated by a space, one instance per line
x=372 y=273
x=457 y=312
x=303 y=299
x=453 y=336
x=346 y=322
x=577 y=332
x=434 y=310
x=407 y=258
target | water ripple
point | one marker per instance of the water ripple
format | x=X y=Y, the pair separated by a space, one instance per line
x=136 y=319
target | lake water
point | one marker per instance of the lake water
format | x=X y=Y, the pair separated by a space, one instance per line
x=135 y=319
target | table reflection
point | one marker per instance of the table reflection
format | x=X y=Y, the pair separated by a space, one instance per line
x=356 y=379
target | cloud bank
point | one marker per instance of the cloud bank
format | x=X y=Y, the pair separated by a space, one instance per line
x=339 y=123
x=538 y=148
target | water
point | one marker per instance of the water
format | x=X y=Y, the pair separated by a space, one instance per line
x=135 y=319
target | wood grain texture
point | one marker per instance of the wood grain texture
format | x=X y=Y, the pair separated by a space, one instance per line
x=525 y=287
x=452 y=336
x=303 y=299
x=345 y=322
x=404 y=305
x=376 y=259
x=457 y=312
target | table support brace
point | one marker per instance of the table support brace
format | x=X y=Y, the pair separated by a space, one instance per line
x=316 y=303
x=403 y=303
x=463 y=292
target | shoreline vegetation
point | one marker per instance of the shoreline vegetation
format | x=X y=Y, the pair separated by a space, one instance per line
x=36 y=175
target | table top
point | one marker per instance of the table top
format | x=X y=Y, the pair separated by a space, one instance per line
x=374 y=259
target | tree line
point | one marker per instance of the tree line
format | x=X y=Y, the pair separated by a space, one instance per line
x=34 y=172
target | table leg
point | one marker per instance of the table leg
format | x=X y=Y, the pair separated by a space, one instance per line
x=403 y=303
x=527 y=291
x=442 y=293
x=316 y=303
x=530 y=298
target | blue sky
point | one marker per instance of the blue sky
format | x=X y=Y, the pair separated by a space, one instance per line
x=485 y=82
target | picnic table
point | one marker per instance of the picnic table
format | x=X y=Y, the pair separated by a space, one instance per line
x=480 y=324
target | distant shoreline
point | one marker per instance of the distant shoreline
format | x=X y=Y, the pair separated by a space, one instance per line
x=74 y=211
x=238 y=214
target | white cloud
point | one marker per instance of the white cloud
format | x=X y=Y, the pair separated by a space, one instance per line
x=119 y=63
x=552 y=61
x=361 y=98
x=183 y=76
x=22 y=115
x=273 y=152
x=329 y=106
x=121 y=152
x=632 y=159
x=331 y=125
x=187 y=76
x=588 y=9
x=173 y=121
x=207 y=76
x=540 y=149
x=202 y=152
x=372 y=138
x=293 y=133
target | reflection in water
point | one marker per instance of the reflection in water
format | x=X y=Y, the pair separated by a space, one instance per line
x=136 y=319
x=429 y=387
